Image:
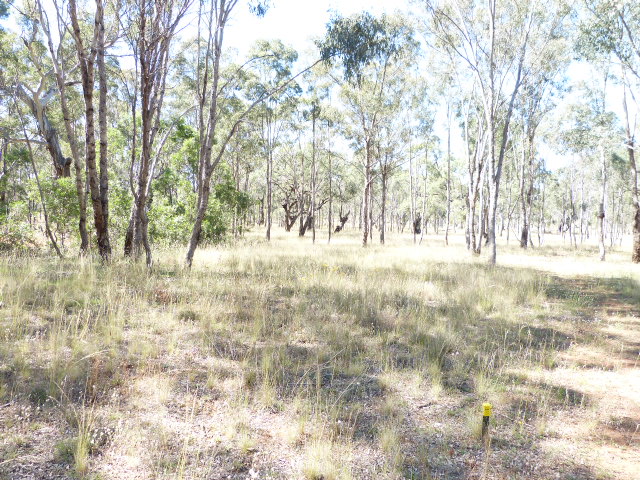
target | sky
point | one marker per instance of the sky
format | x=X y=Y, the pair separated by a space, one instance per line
x=298 y=22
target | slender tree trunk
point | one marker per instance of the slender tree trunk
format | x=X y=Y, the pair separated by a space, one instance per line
x=630 y=144
x=383 y=208
x=103 y=237
x=446 y=232
x=524 y=235
x=314 y=174
x=603 y=196
x=330 y=216
x=269 y=191
x=424 y=197
x=412 y=193
x=60 y=75
x=366 y=193
x=203 y=202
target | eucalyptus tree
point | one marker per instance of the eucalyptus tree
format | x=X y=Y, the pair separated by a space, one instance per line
x=272 y=117
x=591 y=134
x=612 y=27
x=213 y=95
x=150 y=30
x=64 y=65
x=496 y=42
x=395 y=150
x=541 y=88
x=90 y=49
x=372 y=53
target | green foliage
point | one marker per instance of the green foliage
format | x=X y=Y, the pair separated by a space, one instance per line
x=171 y=215
x=611 y=27
x=120 y=203
x=17 y=237
x=61 y=201
x=361 y=39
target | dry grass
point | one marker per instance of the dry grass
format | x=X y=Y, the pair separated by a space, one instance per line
x=288 y=360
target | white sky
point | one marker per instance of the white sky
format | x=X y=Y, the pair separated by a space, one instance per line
x=296 y=22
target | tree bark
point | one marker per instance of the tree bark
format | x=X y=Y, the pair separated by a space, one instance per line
x=86 y=60
x=103 y=236
x=269 y=191
x=61 y=164
x=383 y=204
x=314 y=174
x=603 y=196
x=366 y=204
x=446 y=232
x=48 y=231
x=630 y=144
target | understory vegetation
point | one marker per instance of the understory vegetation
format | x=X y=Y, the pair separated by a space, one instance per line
x=285 y=360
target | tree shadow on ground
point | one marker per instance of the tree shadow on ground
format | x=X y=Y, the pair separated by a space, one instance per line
x=341 y=368
x=587 y=295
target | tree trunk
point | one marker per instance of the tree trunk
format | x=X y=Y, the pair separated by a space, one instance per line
x=383 y=205
x=203 y=202
x=366 y=193
x=60 y=75
x=314 y=174
x=446 y=232
x=330 y=216
x=412 y=192
x=423 y=216
x=61 y=164
x=269 y=191
x=103 y=235
x=86 y=60
x=603 y=196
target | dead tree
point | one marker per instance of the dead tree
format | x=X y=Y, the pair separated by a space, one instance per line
x=291 y=208
x=417 y=230
x=343 y=220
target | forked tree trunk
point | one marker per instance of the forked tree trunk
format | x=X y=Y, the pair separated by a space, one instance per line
x=61 y=164
x=155 y=29
x=86 y=59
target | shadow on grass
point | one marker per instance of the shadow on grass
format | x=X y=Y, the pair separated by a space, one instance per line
x=353 y=336
x=587 y=295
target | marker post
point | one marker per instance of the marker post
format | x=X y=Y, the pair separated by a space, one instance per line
x=486 y=416
x=486 y=438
